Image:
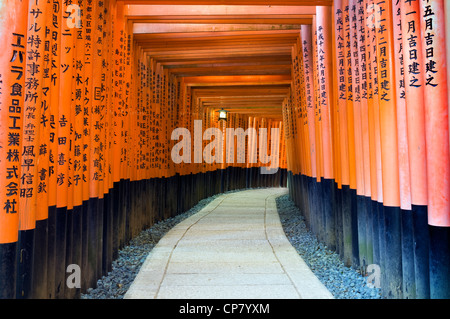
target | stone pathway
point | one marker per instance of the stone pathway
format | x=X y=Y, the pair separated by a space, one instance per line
x=234 y=248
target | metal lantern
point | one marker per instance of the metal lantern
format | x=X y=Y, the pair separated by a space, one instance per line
x=223 y=114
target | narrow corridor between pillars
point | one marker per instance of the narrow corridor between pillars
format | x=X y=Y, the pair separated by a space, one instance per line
x=115 y=114
x=233 y=248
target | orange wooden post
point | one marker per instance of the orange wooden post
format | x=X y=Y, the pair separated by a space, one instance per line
x=293 y=137
x=40 y=269
x=403 y=156
x=372 y=111
x=79 y=147
x=371 y=16
x=325 y=77
x=117 y=91
x=128 y=54
x=109 y=17
x=336 y=47
x=27 y=188
x=104 y=20
x=341 y=43
x=135 y=102
x=55 y=58
x=389 y=150
x=326 y=74
x=358 y=102
x=302 y=109
x=342 y=91
x=409 y=287
x=318 y=187
x=31 y=115
x=73 y=20
x=447 y=48
x=95 y=136
x=13 y=31
x=366 y=94
x=415 y=118
x=309 y=91
x=436 y=111
x=356 y=98
x=334 y=102
x=293 y=112
x=63 y=120
x=388 y=116
x=371 y=76
x=363 y=57
x=286 y=136
x=317 y=103
x=63 y=142
x=44 y=125
x=350 y=200
x=350 y=96
x=435 y=63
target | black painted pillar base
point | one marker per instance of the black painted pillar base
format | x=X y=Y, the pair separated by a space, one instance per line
x=330 y=223
x=68 y=293
x=108 y=232
x=337 y=210
x=347 y=242
x=393 y=262
x=51 y=252
x=354 y=229
x=369 y=230
x=439 y=262
x=362 y=222
x=40 y=264
x=8 y=270
x=376 y=231
x=91 y=271
x=421 y=242
x=84 y=246
x=60 y=259
x=100 y=206
x=409 y=281
x=77 y=249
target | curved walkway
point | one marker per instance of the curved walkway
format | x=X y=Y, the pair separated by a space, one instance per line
x=234 y=248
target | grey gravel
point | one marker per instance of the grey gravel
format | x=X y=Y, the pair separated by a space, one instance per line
x=343 y=282
x=125 y=268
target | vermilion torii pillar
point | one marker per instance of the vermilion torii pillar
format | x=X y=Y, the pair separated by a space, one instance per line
x=13 y=39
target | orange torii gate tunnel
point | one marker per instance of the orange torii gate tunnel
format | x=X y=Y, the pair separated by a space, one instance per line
x=109 y=122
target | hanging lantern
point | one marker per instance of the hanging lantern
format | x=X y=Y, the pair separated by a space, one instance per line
x=223 y=114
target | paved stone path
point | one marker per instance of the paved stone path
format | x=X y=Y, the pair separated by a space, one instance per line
x=234 y=248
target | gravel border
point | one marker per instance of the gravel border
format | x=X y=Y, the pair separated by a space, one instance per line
x=343 y=282
x=131 y=257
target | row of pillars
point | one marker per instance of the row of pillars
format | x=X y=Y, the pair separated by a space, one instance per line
x=87 y=120
x=91 y=235
x=367 y=134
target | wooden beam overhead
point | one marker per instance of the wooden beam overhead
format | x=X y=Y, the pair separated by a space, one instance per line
x=237 y=80
x=173 y=8
x=228 y=3
x=238 y=19
x=233 y=54
x=217 y=46
x=215 y=35
x=237 y=61
x=146 y=28
x=203 y=42
x=175 y=57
